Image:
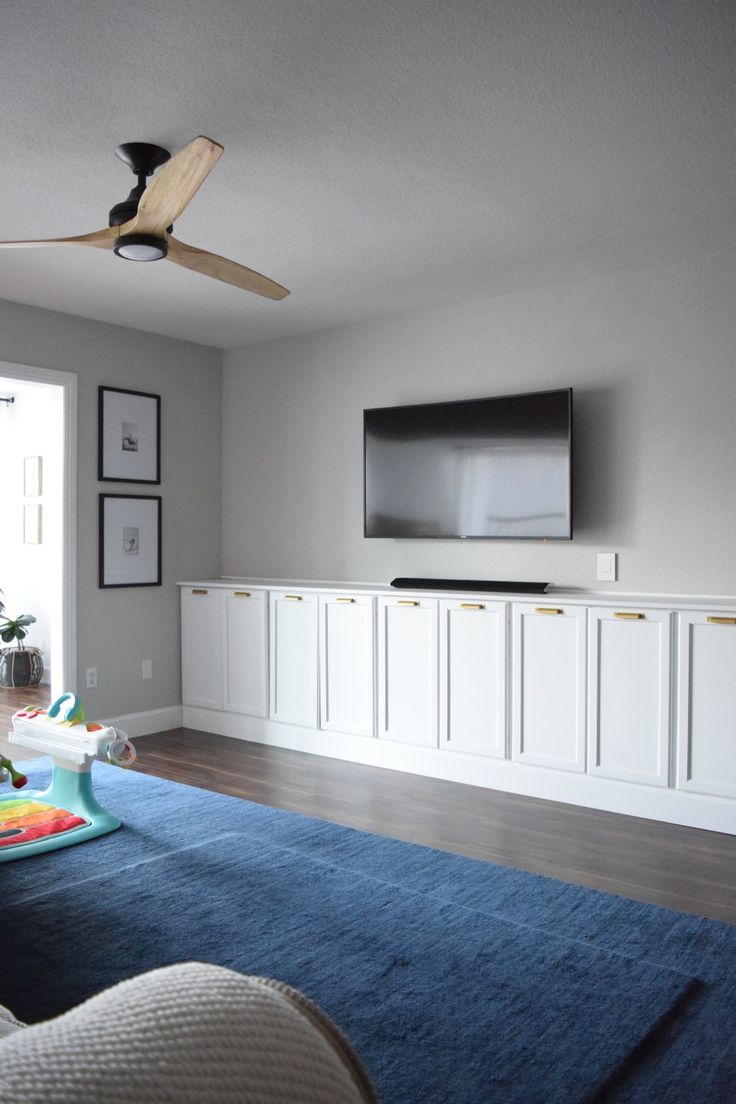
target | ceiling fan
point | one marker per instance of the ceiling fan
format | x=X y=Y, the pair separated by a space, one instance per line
x=140 y=227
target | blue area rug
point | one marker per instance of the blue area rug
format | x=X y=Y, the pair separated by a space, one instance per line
x=457 y=981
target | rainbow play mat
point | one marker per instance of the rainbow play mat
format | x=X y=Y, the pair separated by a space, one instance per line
x=24 y=819
x=67 y=812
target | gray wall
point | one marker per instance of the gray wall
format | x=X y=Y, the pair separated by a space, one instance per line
x=119 y=628
x=651 y=356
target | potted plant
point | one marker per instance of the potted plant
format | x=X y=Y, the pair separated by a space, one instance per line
x=19 y=665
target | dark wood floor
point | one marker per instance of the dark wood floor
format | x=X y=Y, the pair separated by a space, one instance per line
x=683 y=868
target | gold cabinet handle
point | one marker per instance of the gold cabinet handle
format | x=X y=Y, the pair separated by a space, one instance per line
x=241 y=594
x=344 y=599
x=199 y=592
x=721 y=620
x=293 y=597
x=472 y=605
x=406 y=602
x=627 y=615
x=547 y=609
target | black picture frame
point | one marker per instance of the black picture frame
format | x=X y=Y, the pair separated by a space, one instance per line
x=129 y=541
x=128 y=436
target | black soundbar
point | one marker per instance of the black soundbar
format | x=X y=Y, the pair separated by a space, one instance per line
x=503 y=586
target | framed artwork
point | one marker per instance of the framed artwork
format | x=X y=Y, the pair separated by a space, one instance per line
x=32 y=476
x=130 y=540
x=129 y=436
x=32 y=524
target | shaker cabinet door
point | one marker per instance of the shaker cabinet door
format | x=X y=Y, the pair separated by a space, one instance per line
x=246 y=652
x=201 y=647
x=473 y=676
x=407 y=670
x=549 y=685
x=346 y=663
x=706 y=722
x=294 y=658
x=629 y=694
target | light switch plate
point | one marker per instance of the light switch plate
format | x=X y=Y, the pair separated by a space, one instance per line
x=606 y=567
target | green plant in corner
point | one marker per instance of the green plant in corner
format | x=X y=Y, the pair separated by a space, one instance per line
x=19 y=665
x=14 y=628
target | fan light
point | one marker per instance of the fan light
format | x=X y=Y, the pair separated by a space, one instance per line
x=141 y=247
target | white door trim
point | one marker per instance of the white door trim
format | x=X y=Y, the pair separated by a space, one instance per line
x=68 y=382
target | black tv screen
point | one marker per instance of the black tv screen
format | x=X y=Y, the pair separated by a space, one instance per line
x=498 y=468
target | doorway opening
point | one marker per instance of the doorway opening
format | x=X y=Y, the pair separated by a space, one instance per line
x=38 y=414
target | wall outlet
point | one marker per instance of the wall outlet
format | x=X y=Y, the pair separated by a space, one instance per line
x=606 y=567
x=91 y=678
x=147 y=669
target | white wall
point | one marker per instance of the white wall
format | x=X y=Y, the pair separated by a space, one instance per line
x=651 y=356
x=116 y=629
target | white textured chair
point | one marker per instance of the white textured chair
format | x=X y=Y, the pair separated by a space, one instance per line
x=190 y=1034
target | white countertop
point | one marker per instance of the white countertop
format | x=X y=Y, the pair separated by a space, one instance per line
x=560 y=594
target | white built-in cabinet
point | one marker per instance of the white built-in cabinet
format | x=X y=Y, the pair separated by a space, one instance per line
x=246 y=652
x=706 y=728
x=408 y=669
x=607 y=694
x=346 y=644
x=201 y=646
x=472 y=692
x=294 y=658
x=629 y=694
x=548 y=716
x=224 y=649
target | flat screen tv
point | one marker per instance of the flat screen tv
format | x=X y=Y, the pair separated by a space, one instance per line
x=498 y=468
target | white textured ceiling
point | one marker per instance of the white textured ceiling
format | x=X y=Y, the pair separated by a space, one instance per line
x=380 y=155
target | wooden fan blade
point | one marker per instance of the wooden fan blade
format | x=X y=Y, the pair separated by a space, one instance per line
x=174 y=186
x=220 y=268
x=101 y=239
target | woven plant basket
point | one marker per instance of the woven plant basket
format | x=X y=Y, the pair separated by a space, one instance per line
x=20 y=667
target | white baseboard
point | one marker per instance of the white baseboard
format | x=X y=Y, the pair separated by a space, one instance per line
x=673 y=806
x=143 y=724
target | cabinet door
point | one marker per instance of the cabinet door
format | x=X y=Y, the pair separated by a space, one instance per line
x=346 y=663
x=407 y=670
x=294 y=658
x=629 y=695
x=706 y=725
x=201 y=647
x=549 y=686
x=473 y=676
x=246 y=652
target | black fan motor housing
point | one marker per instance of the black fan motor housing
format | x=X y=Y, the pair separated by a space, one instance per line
x=143 y=159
